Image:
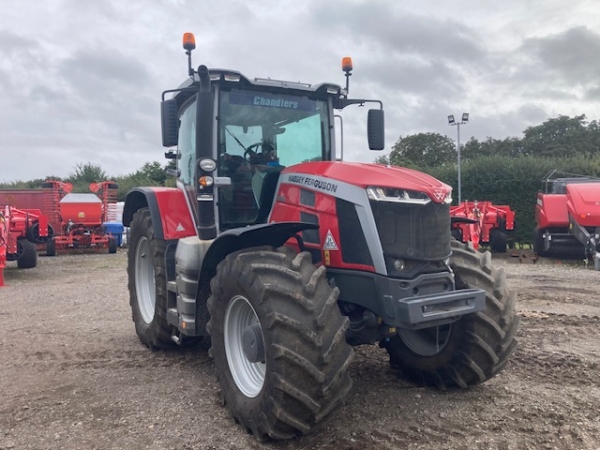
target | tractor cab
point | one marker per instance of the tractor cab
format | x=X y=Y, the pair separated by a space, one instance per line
x=258 y=132
x=234 y=135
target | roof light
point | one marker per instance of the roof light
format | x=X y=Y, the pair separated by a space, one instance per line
x=235 y=77
x=189 y=41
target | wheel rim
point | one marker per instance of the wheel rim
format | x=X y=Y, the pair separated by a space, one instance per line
x=144 y=280
x=248 y=376
x=427 y=341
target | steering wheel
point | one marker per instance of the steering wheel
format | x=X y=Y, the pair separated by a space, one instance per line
x=250 y=155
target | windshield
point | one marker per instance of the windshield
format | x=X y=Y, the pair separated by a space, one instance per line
x=260 y=134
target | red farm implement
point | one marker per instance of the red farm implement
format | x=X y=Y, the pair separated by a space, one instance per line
x=29 y=199
x=82 y=217
x=20 y=231
x=567 y=215
x=481 y=222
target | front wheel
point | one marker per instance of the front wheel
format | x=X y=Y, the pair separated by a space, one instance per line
x=148 y=282
x=474 y=348
x=278 y=342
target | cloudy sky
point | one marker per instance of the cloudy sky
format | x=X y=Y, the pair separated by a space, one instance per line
x=80 y=81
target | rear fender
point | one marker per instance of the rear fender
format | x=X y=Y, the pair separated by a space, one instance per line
x=171 y=217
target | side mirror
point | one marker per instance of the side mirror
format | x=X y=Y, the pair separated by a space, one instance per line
x=375 y=129
x=169 y=117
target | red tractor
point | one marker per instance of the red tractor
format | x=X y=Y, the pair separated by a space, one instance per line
x=82 y=217
x=567 y=215
x=286 y=258
x=487 y=224
x=20 y=231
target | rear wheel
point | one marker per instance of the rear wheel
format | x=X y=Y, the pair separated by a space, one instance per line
x=498 y=241
x=538 y=243
x=51 y=248
x=28 y=258
x=33 y=233
x=112 y=244
x=278 y=342
x=148 y=283
x=472 y=349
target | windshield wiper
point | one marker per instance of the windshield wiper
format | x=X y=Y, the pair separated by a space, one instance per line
x=235 y=137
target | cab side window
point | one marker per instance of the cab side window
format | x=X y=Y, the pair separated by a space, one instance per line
x=187 y=145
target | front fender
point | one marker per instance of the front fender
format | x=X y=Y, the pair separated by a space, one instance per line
x=273 y=234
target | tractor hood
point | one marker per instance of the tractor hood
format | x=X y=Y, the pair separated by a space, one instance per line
x=583 y=203
x=365 y=175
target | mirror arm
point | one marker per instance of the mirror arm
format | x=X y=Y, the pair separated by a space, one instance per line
x=341 y=103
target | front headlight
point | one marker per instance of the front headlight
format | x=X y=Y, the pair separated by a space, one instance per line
x=397 y=195
x=399 y=265
x=448 y=198
x=207 y=165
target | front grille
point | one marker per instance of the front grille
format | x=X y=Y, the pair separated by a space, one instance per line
x=355 y=249
x=413 y=231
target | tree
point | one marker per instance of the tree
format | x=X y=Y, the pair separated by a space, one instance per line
x=423 y=150
x=87 y=173
x=473 y=149
x=384 y=159
x=562 y=136
x=84 y=174
x=154 y=172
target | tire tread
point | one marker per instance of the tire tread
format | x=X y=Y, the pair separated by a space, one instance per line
x=308 y=352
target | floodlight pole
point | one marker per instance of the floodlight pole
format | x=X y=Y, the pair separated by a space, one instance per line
x=451 y=122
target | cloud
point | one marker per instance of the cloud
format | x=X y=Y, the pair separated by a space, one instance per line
x=570 y=57
x=381 y=25
x=81 y=81
x=593 y=94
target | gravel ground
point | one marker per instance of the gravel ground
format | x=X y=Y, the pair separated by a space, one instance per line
x=75 y=376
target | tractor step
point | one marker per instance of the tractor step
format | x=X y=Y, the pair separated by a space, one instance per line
x=173 y=316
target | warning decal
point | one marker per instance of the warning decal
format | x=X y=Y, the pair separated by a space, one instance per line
x=330 y=242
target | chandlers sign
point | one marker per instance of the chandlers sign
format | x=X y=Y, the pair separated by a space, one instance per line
x=311 y=182
x=272 y=101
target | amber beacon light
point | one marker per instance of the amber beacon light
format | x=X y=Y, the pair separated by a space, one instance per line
x=189 y=41
x=347 y=64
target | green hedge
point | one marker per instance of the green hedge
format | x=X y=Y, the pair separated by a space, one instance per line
x=511 y=181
